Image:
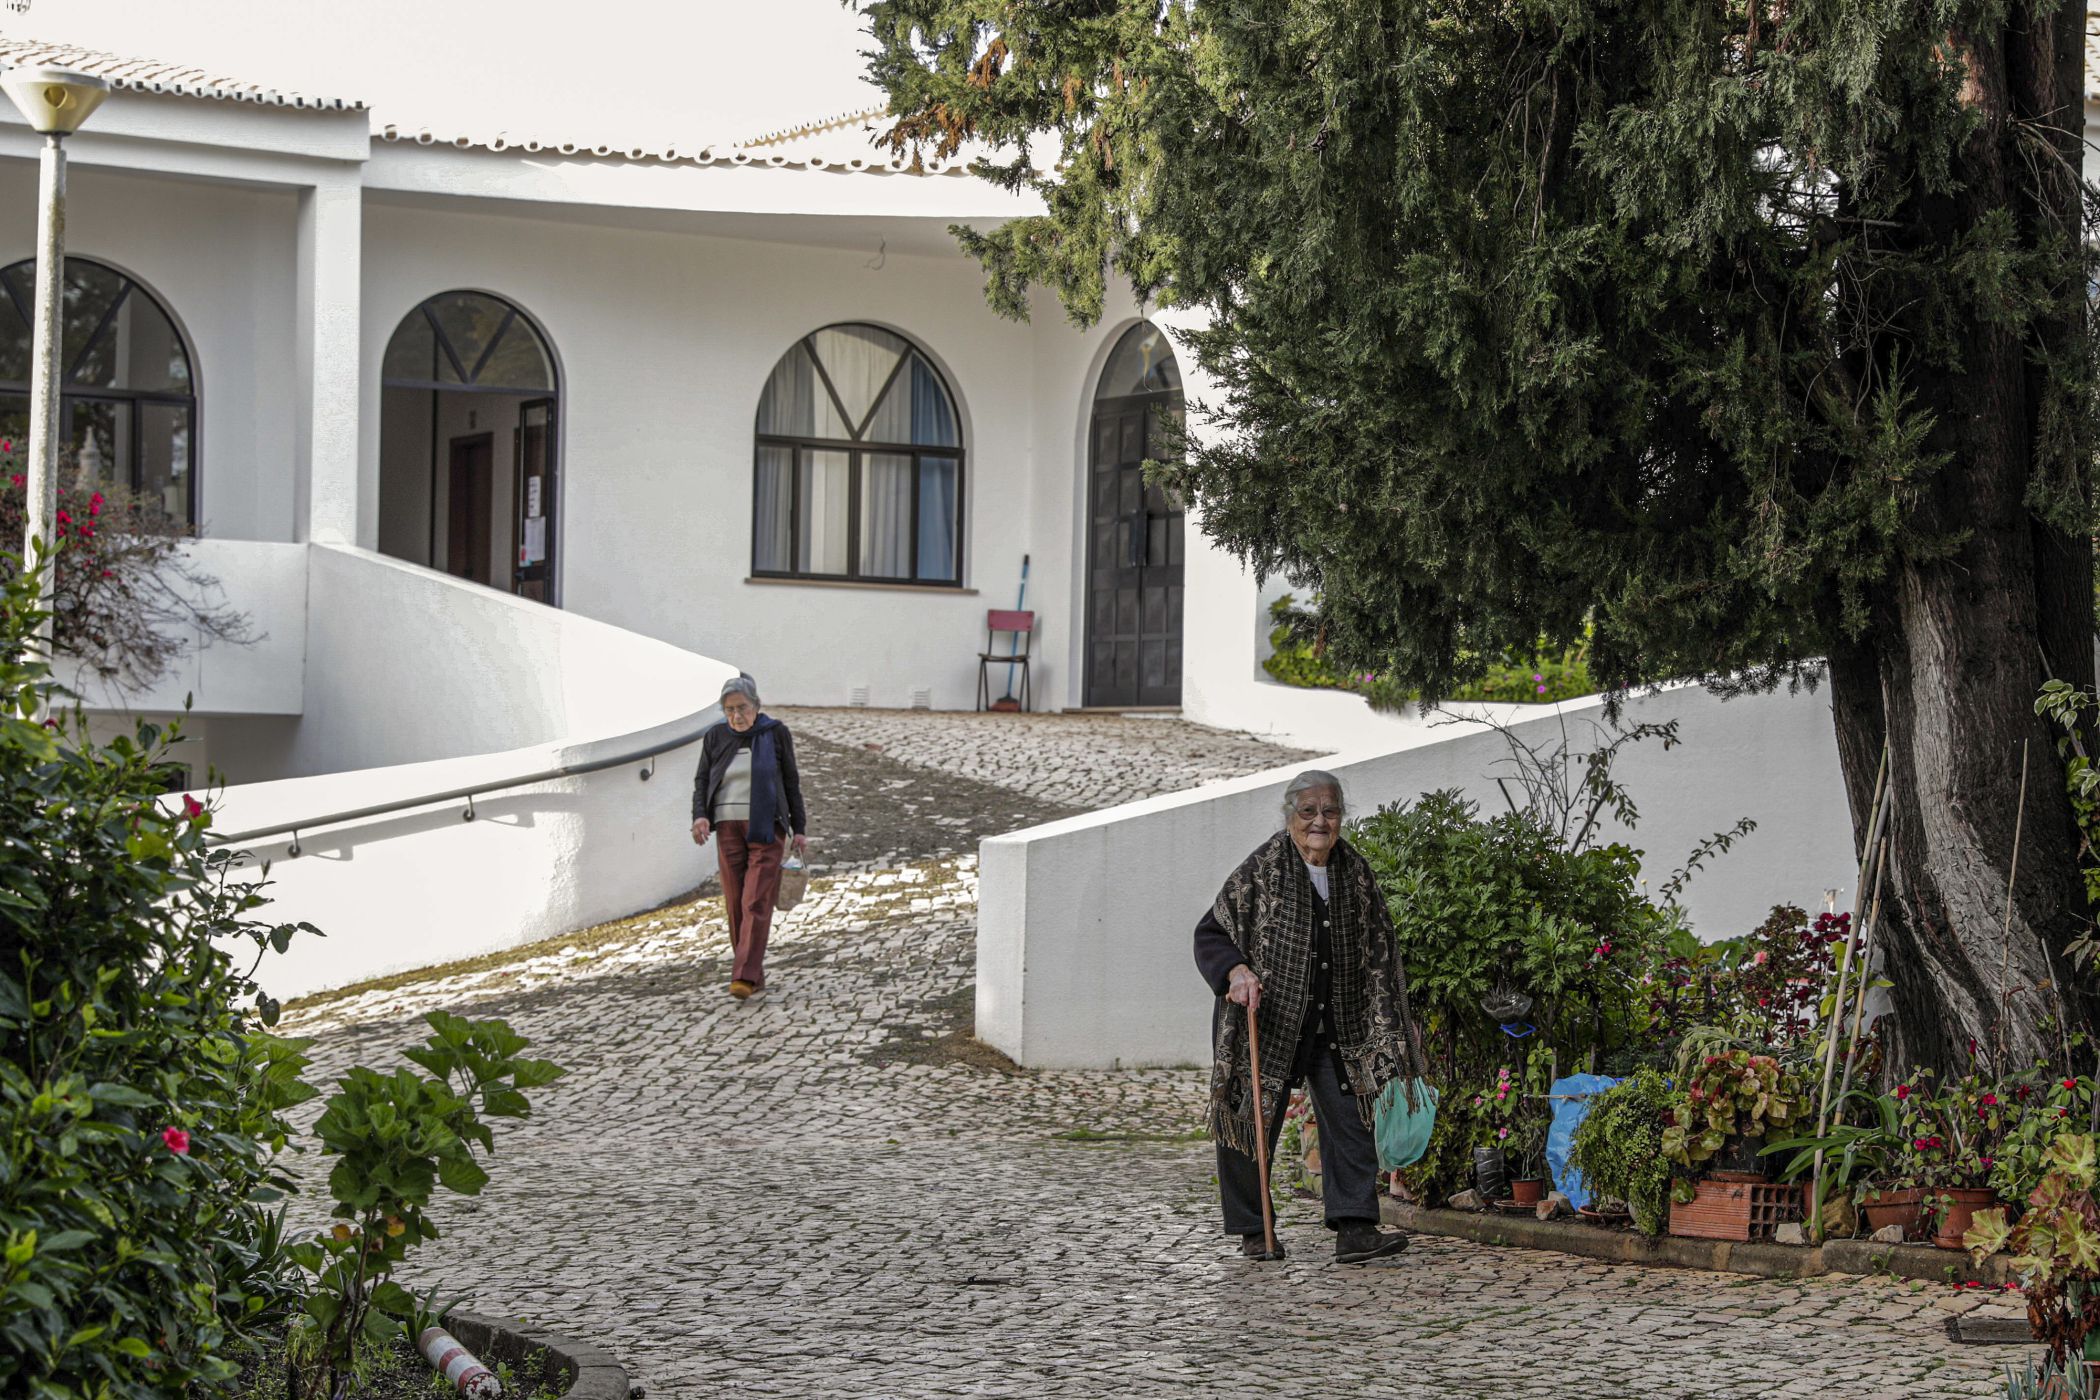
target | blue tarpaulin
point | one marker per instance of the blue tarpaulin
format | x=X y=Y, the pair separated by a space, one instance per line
x=1571 y=1104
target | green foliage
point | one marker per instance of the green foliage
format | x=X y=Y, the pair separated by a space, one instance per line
x=1298 y=657
x=1618 y=1147
x=1733 y=1095
x=140 y=1099
x=396 y=1139
x=1480 y=904
x=1664 y=317
x=2055 y=1246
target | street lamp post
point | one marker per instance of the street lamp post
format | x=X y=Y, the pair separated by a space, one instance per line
x=55 y=101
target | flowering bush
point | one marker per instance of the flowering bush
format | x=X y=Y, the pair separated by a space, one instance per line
x=140 y=1098
x=123 y=597
x=1955 y=1133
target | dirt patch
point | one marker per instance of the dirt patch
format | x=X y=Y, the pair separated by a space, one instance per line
x=946 y=1042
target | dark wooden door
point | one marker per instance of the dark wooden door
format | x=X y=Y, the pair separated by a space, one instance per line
x=468 y=507
x=1134 y=559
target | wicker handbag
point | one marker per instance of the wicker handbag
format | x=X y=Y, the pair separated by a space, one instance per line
x=794 y=883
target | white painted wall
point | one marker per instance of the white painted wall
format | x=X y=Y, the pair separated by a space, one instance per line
x=220 y=257
x=418 y=683
x=1084 y=952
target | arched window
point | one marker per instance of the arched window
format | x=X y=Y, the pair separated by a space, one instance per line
x=127 y=399
x=468 y=461
x=859 y=471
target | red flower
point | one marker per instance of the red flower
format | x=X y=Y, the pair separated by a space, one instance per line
x=1986 y=1162
x=177 y=1140
x=191 y=808
x=1990 y=1100
x=2070 y=1084
x=2022 y=1092
x=1902 y=1092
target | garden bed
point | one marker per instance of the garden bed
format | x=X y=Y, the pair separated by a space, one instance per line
x=533 y=1365
x=1627 y=1246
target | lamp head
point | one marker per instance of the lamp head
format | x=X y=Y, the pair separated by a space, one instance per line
x=55 y=101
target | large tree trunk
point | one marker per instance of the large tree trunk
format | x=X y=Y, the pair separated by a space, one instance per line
x=1949 y=673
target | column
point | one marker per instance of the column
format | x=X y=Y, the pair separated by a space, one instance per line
x=332 y=503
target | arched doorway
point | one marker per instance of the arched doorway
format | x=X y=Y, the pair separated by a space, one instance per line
x=128 y=403
x=1134 y=530
x=468 y=458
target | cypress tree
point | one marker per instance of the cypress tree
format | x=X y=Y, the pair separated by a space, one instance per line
x=1751 y=334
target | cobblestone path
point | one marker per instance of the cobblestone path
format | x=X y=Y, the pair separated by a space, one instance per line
x=1080 y=761
x=831 y=1191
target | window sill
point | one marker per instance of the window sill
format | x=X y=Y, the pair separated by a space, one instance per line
x=930 y=590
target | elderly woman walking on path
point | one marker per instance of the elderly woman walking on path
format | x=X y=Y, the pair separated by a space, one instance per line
x=1301 y=935
x=748 y=795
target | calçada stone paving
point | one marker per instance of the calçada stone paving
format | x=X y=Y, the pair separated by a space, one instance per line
x=832 y=1191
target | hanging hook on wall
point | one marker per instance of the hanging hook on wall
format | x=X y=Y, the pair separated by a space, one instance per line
x=650 y=771
x=882 y=257
x=468 y=815
x=292 y=850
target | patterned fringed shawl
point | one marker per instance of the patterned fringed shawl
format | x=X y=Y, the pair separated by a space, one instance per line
x=1268 y=905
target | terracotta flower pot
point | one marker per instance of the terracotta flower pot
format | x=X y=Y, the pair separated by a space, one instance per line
x=1958 y=1207
x=1528 y=1191
x=1886 y=1208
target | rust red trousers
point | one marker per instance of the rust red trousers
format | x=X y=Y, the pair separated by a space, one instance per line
x=750 y=879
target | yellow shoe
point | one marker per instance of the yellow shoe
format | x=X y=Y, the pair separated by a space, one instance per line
x=741 y=990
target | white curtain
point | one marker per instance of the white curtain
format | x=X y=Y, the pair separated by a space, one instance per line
x=859 y=360
x=885 y=515
x=824 y=476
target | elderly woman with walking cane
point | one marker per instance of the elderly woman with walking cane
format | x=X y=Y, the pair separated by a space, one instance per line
x=747 y=794
x=1299 y=950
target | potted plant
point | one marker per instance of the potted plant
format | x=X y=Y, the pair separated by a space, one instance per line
x=1854 y=1155
x=1956 y=1136
x=1618 y=1147
x=1517 y=1115
x=1731 y=1103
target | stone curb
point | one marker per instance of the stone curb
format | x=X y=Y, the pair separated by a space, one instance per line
x=593 y=1374
x=1720 y=1256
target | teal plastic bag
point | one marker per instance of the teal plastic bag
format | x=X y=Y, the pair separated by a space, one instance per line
x=1403 y=1132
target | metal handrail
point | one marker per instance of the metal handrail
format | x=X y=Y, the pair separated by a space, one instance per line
x=469 y=792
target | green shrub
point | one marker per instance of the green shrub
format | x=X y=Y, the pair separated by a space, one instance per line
x=1298 y=656
x=396 y=1139
x=140 y=1100
x=1618 y=1147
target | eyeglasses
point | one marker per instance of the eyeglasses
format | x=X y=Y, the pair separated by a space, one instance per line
x=1306 y=814
x=739 y=709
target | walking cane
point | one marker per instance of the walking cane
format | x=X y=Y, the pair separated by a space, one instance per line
x=1261 y=1137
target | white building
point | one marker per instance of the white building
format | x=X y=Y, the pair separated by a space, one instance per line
x=515 y=446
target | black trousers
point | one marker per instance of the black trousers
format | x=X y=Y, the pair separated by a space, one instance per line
x=1348 y=1159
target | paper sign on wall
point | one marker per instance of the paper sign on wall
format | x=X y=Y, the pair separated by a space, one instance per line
x=534 y=549
x=532 y=498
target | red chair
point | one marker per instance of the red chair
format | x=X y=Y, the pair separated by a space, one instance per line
x=1022 y=627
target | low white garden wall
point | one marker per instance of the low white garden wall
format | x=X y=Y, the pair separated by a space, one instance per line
x=1084 y=952
x=402 y=664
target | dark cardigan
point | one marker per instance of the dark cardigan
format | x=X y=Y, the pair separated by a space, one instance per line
x=718 y=749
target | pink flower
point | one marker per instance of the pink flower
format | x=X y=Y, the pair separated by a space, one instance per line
x=191 y=808
x=7 y=444
x=1761 y=958
x=1502 y=1133
x=1542 y=690
x=177 y=1140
